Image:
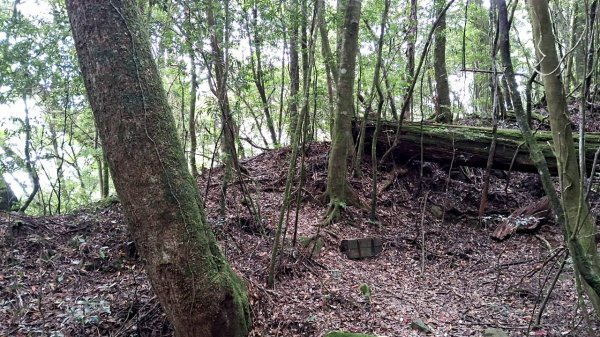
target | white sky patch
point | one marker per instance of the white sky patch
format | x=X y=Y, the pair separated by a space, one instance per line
x=35 y=8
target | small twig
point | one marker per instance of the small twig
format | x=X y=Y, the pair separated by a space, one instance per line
x=423 y=248
x=249 y=141
x=42 y=314
x=447 y=188
x=508 y=264
x=593 y=172
x=498 y=271
x=538 y=317
x=77 y=229
x=541 y=238
x=581 y=303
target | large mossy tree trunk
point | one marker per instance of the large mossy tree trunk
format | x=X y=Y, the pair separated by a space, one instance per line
x=338 y=191
x=579 y=223
x=198 y=290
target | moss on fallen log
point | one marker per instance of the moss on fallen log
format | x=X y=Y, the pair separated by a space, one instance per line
x=467 y=145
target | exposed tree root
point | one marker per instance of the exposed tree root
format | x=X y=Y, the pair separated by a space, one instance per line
x=336 y=205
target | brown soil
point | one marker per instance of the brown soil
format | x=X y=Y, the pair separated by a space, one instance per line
x=78 y=274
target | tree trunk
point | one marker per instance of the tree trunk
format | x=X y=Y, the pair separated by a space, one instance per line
x=443 y=113
x=329 y=60
x=411 y=39
x=105 y=188
x=472 y=145
x=219 y=75
x=341 y=6
x=482 y=41
x=257 y=70
x=103 y=174
x=294 y=68
x=7 y=196
x=375 y=87
x=306 y=70
x=580 y=224
x=29 y=164
x=192 y=115
x=338 y=190
x=198 y=290
x=536 y=152
x=570 y=57
x=219 y=71
x=590 y=39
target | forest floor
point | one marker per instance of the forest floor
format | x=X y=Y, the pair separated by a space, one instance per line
x=78 y=274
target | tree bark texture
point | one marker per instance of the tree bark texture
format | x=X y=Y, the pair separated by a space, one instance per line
x=257 y=70
x=29 y=164
x=410 y=55
x=443 y=112
x=192 y=115
x=337 y=185
x=7 y=196
x=580 y=224
x=328 y=59
x=469 y=145
x=536 y=154
x=200 y=293
x=294 y=67
x=219 y=75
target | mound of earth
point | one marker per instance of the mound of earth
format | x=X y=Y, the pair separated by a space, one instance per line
x=79 y=274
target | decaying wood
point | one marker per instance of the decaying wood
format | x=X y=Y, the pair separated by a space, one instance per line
x=391 y=177
x=526 y=218
x=468 y=146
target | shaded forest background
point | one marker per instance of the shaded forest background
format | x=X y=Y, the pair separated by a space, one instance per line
x=49 y=143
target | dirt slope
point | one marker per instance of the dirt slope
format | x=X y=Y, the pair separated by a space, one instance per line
x=78 y=275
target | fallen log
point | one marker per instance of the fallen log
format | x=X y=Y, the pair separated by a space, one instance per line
x=466 y=145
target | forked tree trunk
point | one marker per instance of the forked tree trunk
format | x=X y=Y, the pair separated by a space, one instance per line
x=579 y=223
x=257 y=71
x=198 y=290
x=29 y=165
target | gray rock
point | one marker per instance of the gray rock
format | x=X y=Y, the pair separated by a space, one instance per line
x=493 y=332
x=419 y=325
x=436 y=211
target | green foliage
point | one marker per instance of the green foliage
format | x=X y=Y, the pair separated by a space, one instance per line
x=38 y=67
x=39 y=72
x=365 y=290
